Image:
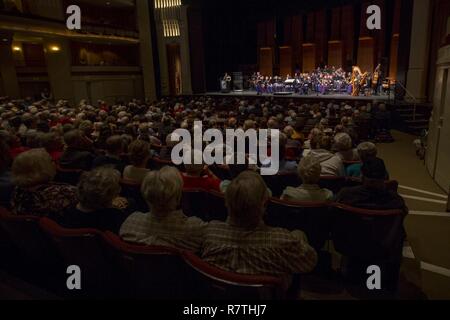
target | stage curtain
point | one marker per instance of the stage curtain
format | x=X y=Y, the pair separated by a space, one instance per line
x=266 y=61
x=366 y=54
x=335 y=54
x=309 y=57
x=394 y=55
x=285 y=61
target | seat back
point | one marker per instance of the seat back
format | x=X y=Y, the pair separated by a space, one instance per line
x=83 y=248
x=147 y=272
x=313 y=218
x=69 y=176
x=277 y=183
x=194 y=203
x=367 y=234
x=221 y=171
x=332 y=183
x=217 y=208
x=369 y=237
x=214 y=283
x=132 y=191
x=25 y=234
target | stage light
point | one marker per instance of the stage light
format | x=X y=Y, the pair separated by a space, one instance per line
x=55 y=48
x=17 y=49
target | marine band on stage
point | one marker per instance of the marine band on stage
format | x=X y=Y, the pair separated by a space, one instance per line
x=328 y=80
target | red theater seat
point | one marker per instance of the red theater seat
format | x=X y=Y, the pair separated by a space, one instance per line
x=370 y=237
x=313 y=218
x=147 y=272
x=32 y=245
x=214 y=283
x=84 y=248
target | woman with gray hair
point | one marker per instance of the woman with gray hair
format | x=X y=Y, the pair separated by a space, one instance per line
x=366 y=151
x=96 y=192
x=32 y=174
x=309 y=171
x=165 y=224
x=343 y=145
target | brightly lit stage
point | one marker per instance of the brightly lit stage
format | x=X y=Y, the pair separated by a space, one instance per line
x=306 y=98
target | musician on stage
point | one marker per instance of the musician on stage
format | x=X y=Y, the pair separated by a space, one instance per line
x=376 y=80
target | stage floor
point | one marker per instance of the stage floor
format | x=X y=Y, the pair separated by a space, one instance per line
x=252 y=94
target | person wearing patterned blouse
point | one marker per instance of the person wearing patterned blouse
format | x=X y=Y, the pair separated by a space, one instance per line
x=35 y=192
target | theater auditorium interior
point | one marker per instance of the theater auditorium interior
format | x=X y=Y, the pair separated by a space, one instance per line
x=106 y=191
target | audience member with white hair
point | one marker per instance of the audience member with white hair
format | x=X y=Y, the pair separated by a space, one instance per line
x=139 y=155
x=309 y=171
x=33 y=173
x=165 y=224
x=244 y=244
x=330 y=163
x=344 y=147
x=97 y=191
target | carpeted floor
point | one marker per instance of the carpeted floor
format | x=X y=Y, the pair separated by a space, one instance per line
x=418 y=188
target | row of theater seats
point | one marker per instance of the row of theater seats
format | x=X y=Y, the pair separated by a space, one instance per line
x=111 y=268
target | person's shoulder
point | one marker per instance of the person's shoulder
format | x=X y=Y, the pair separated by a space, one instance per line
x=282 y=235
x=137 y=217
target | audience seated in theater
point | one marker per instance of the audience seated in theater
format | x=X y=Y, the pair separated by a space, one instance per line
x=198 y=175
x=330 y=163
x=97 y=191
x=309 y=171
x=6 y=185
x=52 y=143
x=235 y=170
x=77 y=154
x=244 y=244
x=366 y=151
x=285 y=166
x=114 y=149
x=166 y=151
x=139 y=154
x=35 y=193
x=165 y=224
x=344 y=146
x=372 y=194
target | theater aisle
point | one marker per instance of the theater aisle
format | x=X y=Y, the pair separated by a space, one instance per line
x=421 y=193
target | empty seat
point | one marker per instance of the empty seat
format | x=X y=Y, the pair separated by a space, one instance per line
x=148 y=272
x=313 y=218
x=214 y=283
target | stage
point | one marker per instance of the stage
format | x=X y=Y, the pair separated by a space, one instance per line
x=306 y=98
